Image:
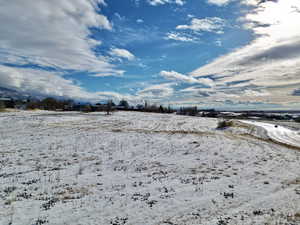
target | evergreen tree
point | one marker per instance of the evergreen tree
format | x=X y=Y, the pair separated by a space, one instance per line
x=124 y=104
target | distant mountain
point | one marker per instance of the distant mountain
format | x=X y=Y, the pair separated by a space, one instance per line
x=2 y=89
x=22 y=95
x=11 y=93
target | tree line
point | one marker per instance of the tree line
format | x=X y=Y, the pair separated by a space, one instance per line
x=108 y=106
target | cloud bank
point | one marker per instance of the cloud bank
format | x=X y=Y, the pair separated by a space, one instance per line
x=52 y=36
x=45 y=83
x=268 y=68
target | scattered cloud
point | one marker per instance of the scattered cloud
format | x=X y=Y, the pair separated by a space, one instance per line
x=127 y=35
x=162 y=2
x=140 y=21
x=180 y=2
x=159 y=91
x=117 y=96
x=121 y=18
x=197 y=92
x=208 y=24
x=180 y=37
x=173 y=75
x=219 y=2
x=121 y=53
x=255 y=93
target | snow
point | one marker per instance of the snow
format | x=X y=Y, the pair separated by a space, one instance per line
x=279 y=133
x=141 y=168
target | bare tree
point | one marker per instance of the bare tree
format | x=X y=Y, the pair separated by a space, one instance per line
x=2 y=106
x=109 y=107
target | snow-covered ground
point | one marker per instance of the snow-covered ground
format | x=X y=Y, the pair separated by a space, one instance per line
x=279 y=133
x=139 y=169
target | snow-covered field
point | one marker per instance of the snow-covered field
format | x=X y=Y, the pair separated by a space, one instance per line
x=279 y=133
x=142 y=168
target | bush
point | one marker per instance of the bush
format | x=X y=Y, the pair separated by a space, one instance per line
x=32 y=105
x=87 y=109
x=224 y=124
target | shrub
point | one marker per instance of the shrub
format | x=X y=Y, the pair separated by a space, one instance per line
x=224 y=124
x=87 y=109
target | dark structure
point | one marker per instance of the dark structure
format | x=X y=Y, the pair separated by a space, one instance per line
x=8 y=102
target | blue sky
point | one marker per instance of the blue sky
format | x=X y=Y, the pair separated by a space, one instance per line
x=231 y=54
x=142 y=29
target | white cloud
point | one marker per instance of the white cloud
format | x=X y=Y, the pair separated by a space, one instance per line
x=255 y=93
x=208 y=24
x=250 y=2
x=41 y=82
x=140 y=21
x=179 y=37
x=162 y=2
x=270 y=62
x=159 y=91
x=158 y=2
x=121 y=18
x=111 y=73
x=180 y=2
x=219 y=2
x=121 y=53
x=173 y=75
x=197 y=92
x=117 y=97
x=53 y=33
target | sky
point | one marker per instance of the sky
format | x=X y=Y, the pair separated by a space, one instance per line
x=223 y=54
